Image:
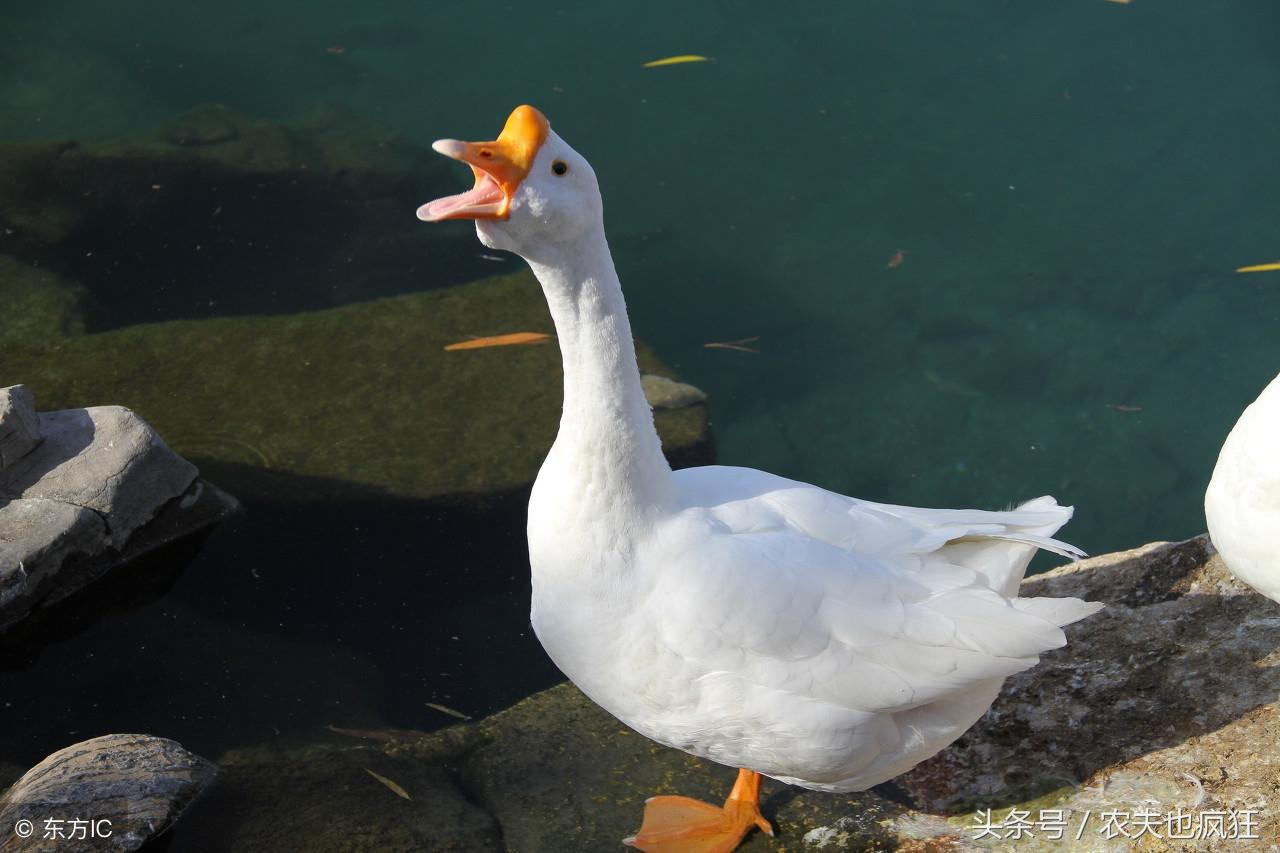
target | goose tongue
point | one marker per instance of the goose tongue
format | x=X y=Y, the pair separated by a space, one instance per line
x=485 y=200
x=499 y=167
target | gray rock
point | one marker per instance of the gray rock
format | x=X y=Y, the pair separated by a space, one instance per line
x=131 y=788
x=19 y=428
x=37 y=535
x=106 y=459
x=1166 y=699
x=101 y=489
x=664 y=393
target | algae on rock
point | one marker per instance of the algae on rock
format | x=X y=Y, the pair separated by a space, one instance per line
x=220 y=213
x=37 y=304
x=361 y=399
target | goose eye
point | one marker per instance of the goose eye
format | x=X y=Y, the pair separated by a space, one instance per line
x=560 y=167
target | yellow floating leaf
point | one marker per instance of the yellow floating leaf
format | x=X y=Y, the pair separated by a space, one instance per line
x=1261 y=268
x=393 y=786
x=677 y=60
x=512 y=339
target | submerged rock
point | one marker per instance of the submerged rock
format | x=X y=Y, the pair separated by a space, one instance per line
x=1154 y=729
x=222 y=213
x=355 y=401
x=39 y=305
x=665 y=393
x=324 y=798
x=114 y=792
x=85 y=490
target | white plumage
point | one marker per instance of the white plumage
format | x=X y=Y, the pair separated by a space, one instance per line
x=759 y=622
x=1242 y=504
x=769 y=624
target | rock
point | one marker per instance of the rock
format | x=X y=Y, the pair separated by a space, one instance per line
x=350 y=402
x=100 y=490
x=38 y=304
x=104 y=459
x=19 y=427
x=1165 y=700
x=665 y=393
x=222 y=213
x=37 y=537
x=113 y=792
x=322 y=798
x=1160 y=701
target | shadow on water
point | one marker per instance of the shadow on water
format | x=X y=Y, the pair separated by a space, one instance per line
x=352 y=613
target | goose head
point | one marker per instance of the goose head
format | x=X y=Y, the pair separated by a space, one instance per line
x=531 y=189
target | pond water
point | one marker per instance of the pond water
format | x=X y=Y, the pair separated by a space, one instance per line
x=979 y=251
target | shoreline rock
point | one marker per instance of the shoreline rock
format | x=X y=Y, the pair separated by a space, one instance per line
x=83 y=491
x=127 y=788
x=1165 y=701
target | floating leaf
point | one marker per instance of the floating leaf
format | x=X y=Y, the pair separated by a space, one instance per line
x=444 y=709
x=512 y=339
x=393 y=786
x=677 y=60
x=1261 y=268
x=735 y=345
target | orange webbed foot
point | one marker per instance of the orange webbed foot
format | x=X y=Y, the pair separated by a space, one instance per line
x=684 y=825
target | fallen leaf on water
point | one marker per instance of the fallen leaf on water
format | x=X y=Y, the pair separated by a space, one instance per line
x=897 y=259
x=393 y=786
x=502 y=341
x=735 y=345
x=385 y=735
x=444 y=709
x=336 y=49
x=1120 y=2
x=677 y=60
x=1121 y=407
x=1261 y=268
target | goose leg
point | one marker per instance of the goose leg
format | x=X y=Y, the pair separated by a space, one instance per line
x=683 y=825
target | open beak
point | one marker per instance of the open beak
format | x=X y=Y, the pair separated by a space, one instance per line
x=499 y=167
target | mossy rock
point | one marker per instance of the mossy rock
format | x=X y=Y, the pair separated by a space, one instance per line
x=38 y=303
x=552 y=774
x=1180 y=722
x=355 y=401
x=560 y=774
x=324 y=798
x=221 y=213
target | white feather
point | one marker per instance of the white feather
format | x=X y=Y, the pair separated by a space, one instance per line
x=1242 y=504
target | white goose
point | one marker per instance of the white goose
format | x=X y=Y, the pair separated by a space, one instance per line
x=1242 y=504
x=759 y=622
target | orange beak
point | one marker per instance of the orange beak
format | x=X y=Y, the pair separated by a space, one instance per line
x=499 y=167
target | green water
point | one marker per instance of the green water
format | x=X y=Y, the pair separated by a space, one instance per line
x=1071 y=184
